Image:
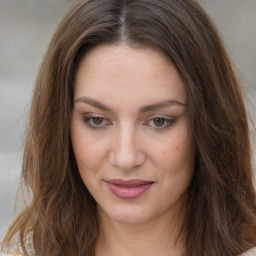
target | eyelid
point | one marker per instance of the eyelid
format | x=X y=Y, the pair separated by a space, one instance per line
x=170 y=121
x=87 y=117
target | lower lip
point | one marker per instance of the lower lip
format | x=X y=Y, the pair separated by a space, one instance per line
x=128 y=192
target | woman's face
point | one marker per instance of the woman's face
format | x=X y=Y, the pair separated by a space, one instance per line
x=129 y=133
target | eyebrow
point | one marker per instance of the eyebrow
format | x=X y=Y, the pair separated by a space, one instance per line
x=158 y=105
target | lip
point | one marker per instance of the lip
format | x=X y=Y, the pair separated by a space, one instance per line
x=128 y=189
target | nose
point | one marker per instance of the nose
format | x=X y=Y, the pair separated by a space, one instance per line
x=126 y=153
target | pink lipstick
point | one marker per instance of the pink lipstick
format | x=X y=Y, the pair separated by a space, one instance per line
x=128 y=189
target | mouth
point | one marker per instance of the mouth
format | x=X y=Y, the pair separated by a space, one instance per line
x=128 y=189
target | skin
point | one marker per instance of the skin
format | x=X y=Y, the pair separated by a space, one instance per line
x=130 y=141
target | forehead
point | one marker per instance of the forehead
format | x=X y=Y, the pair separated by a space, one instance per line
x=112 y=72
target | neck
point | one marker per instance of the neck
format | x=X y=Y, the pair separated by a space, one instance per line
x=159 y=236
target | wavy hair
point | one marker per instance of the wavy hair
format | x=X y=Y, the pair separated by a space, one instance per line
x=61 y=218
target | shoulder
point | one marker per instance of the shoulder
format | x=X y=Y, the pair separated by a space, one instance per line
x=251 y=252
x=9 y=254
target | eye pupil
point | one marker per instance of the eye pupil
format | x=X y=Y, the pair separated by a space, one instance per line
x=97 y=120
x=159 y=121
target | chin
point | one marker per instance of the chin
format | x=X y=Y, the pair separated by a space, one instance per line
x=125 y=215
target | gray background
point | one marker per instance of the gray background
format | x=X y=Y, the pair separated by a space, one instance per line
x=26 y=27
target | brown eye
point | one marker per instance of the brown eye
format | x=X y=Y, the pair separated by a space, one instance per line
x=158 y=121
x=97 y=120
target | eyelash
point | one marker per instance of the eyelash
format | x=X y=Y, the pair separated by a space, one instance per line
x=168 y=122
x=89 y=121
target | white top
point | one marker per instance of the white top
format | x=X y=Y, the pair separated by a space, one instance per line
x=251 y=252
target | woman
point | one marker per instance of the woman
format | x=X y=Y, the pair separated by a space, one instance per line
x=138 y=140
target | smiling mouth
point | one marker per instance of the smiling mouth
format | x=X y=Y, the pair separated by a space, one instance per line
x=128 y=189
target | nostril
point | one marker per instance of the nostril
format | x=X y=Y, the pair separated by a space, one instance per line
x=126 y=160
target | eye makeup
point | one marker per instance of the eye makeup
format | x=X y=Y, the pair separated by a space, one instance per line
x=158 y=122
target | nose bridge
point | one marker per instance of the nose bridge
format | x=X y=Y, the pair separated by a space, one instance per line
x=126 y=153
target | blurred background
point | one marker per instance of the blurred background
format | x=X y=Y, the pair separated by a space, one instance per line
x=26 y=27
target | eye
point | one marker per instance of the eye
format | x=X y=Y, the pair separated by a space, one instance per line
x=160 y=122
x=96 y=121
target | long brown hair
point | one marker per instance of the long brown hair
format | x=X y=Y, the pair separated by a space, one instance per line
x=61 y=218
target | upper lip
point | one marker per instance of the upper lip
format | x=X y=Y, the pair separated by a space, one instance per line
x=132 y=182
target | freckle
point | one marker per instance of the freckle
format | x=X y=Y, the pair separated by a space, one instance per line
x=176 y=148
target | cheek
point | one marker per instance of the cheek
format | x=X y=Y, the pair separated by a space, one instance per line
x=88 y=157
x=89 y=153
x=177 y=166
x=89 y=160
x=175 y=147
x=174 y=153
